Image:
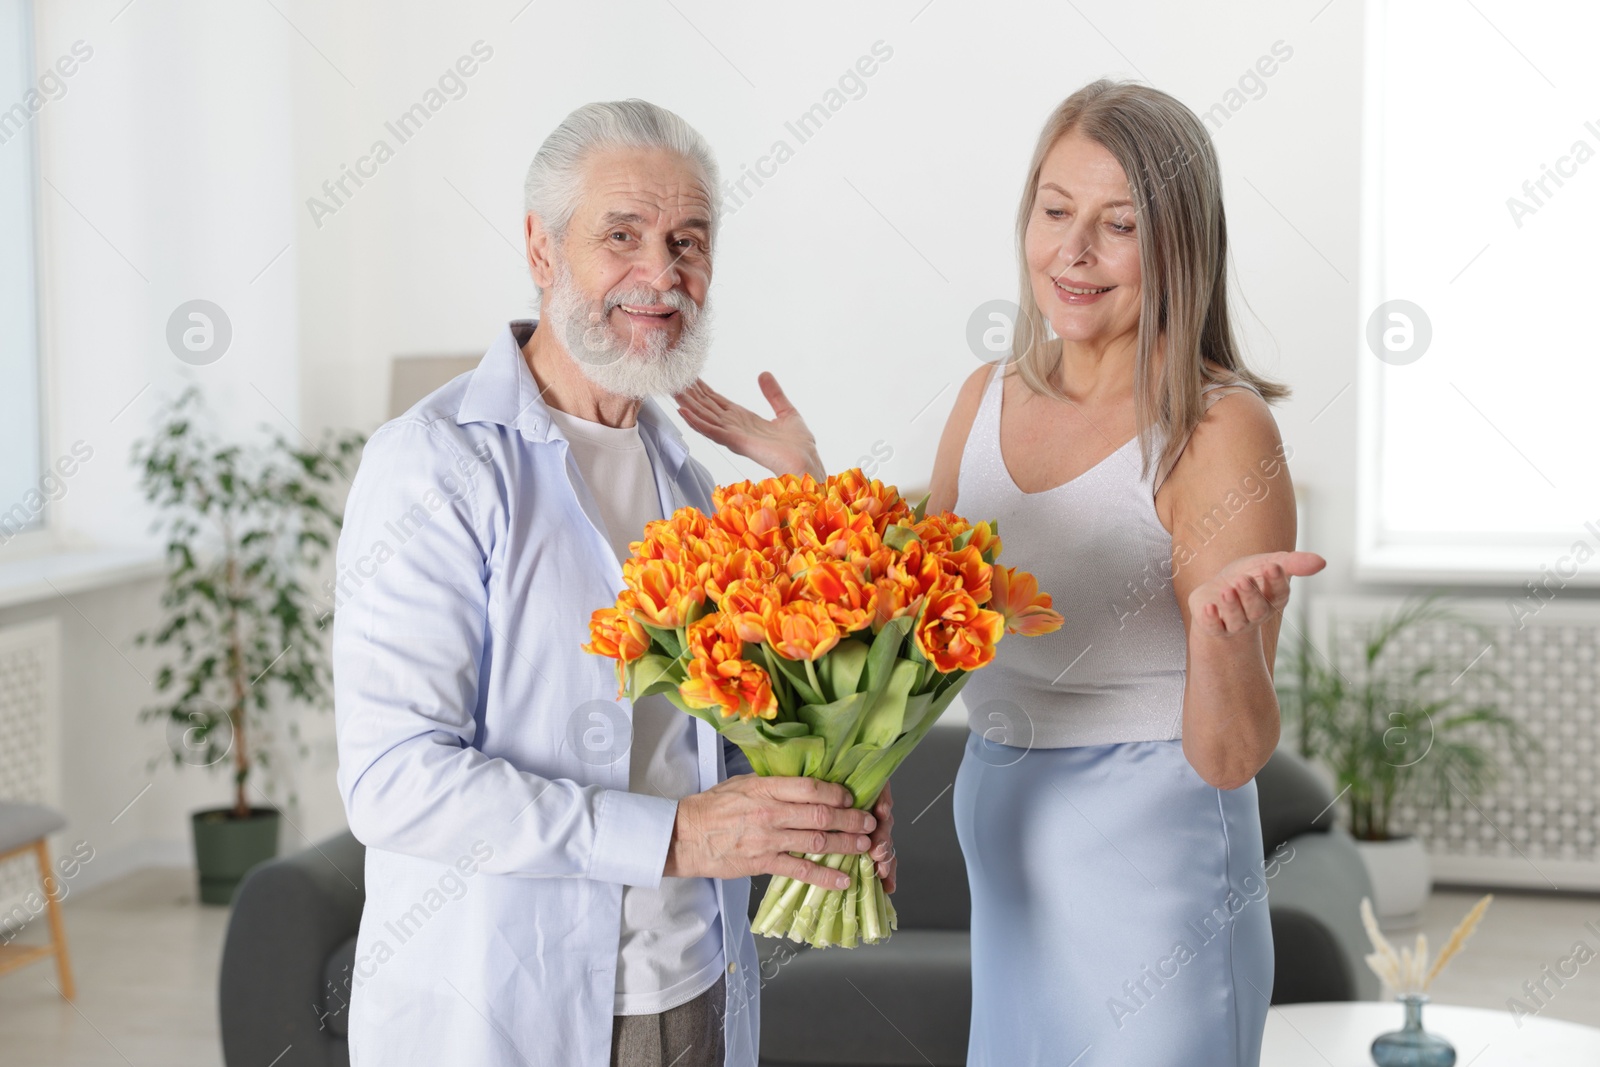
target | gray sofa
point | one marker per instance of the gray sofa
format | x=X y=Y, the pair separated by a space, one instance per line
x=291 y=939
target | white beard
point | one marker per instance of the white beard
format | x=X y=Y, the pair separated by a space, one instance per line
x=637 y=365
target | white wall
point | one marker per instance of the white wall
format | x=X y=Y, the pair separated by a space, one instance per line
x=193 y=138
x=167 y=176
x=863 y=325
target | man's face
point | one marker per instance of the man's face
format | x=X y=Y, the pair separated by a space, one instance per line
x=631 y=275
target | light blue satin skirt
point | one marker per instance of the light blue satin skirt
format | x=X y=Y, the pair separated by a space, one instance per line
x=1119 y=913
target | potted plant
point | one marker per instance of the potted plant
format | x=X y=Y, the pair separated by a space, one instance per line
x=1391 y=731
x=245 y=528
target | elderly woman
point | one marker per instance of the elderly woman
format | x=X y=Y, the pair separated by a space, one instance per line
x=1106 y=804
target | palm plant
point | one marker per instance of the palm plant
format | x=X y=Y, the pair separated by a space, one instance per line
x=1392 y=732
x=245 y=528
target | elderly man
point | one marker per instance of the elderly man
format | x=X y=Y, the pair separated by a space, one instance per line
x=554 y=875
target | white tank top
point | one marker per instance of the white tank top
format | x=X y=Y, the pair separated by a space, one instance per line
x=1115 y=671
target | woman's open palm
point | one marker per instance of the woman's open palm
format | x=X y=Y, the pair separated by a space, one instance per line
x=783 y=444
x=1249 y=591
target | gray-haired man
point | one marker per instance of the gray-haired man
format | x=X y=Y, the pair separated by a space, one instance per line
x=554 y=875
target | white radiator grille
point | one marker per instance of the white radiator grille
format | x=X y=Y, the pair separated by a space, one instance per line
x=29 y=658
x=1536 y=829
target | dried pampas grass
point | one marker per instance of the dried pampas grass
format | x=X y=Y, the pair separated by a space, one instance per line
x=1406 y=971
x=1459 y=937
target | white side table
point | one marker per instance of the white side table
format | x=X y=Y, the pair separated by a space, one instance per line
x=1340 y=1035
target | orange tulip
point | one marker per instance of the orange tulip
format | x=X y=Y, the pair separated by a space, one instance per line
x=934 y=532
x=901 y=581
x=751 y=606
x=983 y=538
x=803 y=629
x=725 y=568
x=917 y=568
x=614 y=633
x=955 y=633
x=666 y=594
x=767 y=491
x=894 y=600
x=832 y=527
x=851 y=603
x=758 y=527
x=869 y=497
x=673 y=545
x=719 y=676
x=1026 y=610
x=874 y=565
x=689 y=522
x=966 y=565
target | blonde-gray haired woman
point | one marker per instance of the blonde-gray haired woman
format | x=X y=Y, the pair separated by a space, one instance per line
x=1106 y=805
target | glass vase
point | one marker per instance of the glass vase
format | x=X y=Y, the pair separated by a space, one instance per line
x=1412 y=1046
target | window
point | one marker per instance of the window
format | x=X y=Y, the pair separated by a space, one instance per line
x=21 y=503
x=1478 y=372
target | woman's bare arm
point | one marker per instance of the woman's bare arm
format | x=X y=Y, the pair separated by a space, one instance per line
x=1232 y=589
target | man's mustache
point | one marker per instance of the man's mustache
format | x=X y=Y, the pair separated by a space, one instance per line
x=674 y=299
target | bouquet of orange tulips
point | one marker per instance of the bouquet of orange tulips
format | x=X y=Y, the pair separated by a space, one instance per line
x=823 y=628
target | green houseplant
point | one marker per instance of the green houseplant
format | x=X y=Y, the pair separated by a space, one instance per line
x=1392 y=731
x=245 y=529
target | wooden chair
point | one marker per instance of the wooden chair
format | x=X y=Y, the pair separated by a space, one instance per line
x=23 y=828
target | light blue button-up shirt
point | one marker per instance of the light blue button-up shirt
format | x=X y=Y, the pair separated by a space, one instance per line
x=483 y=754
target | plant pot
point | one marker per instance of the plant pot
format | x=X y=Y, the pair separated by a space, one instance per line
x=225 y=848
x=1401 y=878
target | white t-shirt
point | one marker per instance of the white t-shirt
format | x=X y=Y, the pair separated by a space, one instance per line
x=671 y=944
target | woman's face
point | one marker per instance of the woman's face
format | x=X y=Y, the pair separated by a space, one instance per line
x=1082 y=245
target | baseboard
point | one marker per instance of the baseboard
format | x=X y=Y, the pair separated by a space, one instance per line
x=109 y=864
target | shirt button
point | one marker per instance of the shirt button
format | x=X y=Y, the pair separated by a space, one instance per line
x=732 y=967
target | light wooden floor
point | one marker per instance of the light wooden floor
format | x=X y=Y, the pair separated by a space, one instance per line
x=146 y=957
x=1519 y=936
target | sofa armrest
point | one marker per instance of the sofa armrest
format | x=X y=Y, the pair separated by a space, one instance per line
x=289 y=915
x=1325 y=878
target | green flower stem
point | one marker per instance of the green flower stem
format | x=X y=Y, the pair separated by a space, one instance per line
x=807 y=914
x=885 y=906
x=782 y=894
x=811 y=676
x=871 y=917
x=828 y=922
x=850 y=917
x=861 y=912
x=769 y=904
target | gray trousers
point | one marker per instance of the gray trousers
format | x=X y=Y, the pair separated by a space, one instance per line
x=689 y=1035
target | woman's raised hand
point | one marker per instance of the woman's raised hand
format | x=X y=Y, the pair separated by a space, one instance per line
x=1248 y=591
x=783 y=444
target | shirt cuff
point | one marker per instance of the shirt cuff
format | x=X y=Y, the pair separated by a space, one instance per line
x=632 y=834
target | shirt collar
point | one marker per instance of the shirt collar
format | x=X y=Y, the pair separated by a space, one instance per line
x=502 y=390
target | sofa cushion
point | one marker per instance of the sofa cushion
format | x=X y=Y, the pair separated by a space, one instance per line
x=906 y=1001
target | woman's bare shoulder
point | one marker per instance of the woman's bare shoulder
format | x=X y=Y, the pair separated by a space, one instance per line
x=953 y=442
x=1237 y=426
